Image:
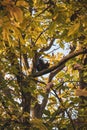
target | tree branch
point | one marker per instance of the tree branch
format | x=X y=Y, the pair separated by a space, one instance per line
x=57 y=68
x=40 y=35
x=53 y=73
x=49 y=46
x=43 y=11
x=39 y=108
x=26 y=61
x=61 y=63
x=68 y=114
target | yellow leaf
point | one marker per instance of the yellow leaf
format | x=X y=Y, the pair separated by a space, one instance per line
x=5 y=2
x=11 y=31
x=38 y=124
x=74 y=29
x=81 y=92
x=15 y=13
x=17 y=33
x=10 y=10
x=14 y=117
x=18 y=14
x=1 y=22
x=4 y=34
x=55 y=17
x=16 y=24
x=26 y=114
x=22 y=3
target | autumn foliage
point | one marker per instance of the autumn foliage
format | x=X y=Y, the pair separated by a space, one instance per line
x=51 y=94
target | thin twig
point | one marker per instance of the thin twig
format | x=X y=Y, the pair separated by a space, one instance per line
x=54 y=50
x=40 y=35
x=43 y=11
x=49 y=46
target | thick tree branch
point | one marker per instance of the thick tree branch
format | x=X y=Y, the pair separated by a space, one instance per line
x=44 y=102
x=26 y=96
x=53 y=73
x=62 y=62
x=26 y=61
x=39 y=108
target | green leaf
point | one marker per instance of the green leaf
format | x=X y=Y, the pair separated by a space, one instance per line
x=74 y=29
x=47 y=112
x=37 y=123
